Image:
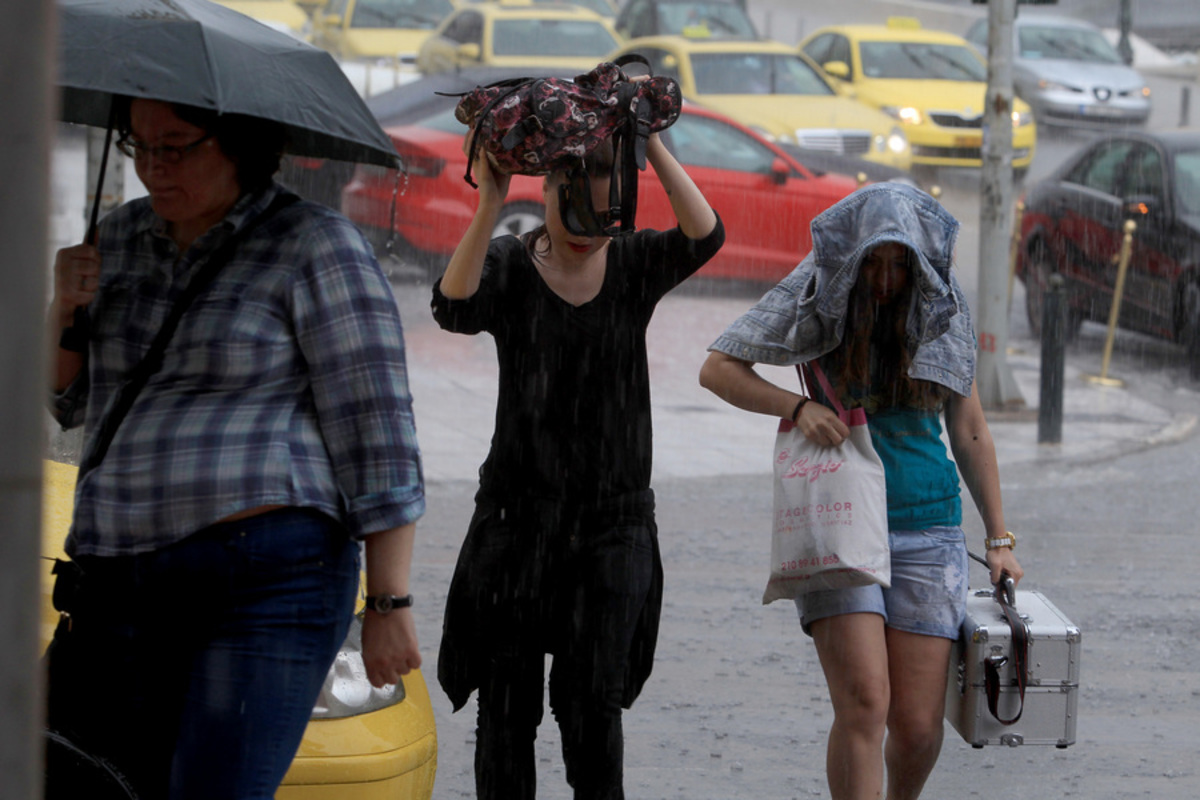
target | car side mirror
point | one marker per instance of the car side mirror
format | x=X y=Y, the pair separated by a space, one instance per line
x=780 y=172
x=837 y=69
x=1142 y=207
x=469 y=51
x=331 y=20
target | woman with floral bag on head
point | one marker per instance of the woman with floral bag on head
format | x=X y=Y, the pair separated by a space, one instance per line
x=561 y=556
x=878 y=307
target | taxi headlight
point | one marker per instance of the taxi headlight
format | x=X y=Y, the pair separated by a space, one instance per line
x=1022 y=118
x=346 y=691
x=907 y=114
x=895 y=142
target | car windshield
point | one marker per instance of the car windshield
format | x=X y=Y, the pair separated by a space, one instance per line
x=755 y=73
x=1069 y=44
x=442 y=120
x=551 y=37
x=921 y=60
x=701 y=20
x=420 y=14
x=1187 y=181
x=699 y=141
x=601 y=7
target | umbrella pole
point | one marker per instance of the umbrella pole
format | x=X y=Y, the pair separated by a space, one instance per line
x=75 y=337
x=90 y=237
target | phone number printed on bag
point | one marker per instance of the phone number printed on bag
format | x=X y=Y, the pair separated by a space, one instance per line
x=806 y=563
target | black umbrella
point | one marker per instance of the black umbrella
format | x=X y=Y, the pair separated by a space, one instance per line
x=202 y=54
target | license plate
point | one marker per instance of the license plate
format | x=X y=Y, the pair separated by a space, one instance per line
x=1100 y=111
x=968 y=141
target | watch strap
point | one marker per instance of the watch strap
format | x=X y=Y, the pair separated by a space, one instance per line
x=383 y=603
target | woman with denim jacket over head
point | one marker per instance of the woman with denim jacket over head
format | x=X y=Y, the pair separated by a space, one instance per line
x=561 y=556
x=877 y=306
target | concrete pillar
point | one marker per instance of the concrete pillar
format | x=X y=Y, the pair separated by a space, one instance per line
x=27 y=61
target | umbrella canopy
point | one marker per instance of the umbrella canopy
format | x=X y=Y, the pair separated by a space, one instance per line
x=201 y=54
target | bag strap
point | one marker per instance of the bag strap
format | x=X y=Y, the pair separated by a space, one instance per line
x=139 y=376
x=826 y=387
x=510 y=87
x=1006 y=597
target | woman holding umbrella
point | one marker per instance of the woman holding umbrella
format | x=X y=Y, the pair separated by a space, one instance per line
x=217 y=523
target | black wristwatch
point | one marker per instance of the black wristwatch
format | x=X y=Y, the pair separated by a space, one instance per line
x=383 y=603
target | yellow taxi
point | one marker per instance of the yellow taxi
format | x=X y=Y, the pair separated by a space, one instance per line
x=605 y=8
x=382 y=31
x=771 y=88
x=933 y=83
x=519 y=33
x=361 y=743
x=282 y=15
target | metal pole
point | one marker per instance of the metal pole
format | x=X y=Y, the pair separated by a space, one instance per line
x=112 y=193
x=26 y=50
x=1185 y=106
x=1054 y=344
x=1114 y=312
x=997 y=387
x=1125 y=24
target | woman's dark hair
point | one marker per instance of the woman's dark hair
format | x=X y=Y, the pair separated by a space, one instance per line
x=254 y=145
x=597 y=164
x=884 y=329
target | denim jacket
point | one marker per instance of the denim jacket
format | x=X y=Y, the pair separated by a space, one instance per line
x=803 y=317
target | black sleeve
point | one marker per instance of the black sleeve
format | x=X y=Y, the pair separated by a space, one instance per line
x=476 y=313
x=664 y=259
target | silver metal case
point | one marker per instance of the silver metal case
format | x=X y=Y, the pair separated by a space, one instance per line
x=1052 y=689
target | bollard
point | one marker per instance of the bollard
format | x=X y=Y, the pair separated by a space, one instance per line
x=1114 y=312
x=1054 y=344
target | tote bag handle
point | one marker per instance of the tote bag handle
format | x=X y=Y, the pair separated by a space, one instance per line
x=852 y=416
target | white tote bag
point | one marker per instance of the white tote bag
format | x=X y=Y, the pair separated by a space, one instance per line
x=830 y=526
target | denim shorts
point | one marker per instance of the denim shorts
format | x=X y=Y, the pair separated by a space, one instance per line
x=928 y=594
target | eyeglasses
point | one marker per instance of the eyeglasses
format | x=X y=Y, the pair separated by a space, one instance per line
x=163 y=153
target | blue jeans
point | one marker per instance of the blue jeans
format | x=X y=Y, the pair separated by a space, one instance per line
x=194 y=668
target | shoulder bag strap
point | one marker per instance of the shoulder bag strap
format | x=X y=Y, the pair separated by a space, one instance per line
x=152 y=360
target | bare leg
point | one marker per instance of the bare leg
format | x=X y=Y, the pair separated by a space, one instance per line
x=853 y=653
x=917 y=665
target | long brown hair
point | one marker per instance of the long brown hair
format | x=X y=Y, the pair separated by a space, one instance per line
x=883 y=330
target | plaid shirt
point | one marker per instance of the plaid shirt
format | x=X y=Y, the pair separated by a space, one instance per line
x=284 y=384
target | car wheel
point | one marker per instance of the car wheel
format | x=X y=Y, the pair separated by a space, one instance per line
x=1189 y=325
x=519 y=218
x=1037 y=280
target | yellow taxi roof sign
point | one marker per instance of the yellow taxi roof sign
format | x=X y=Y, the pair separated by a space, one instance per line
x=909 y=23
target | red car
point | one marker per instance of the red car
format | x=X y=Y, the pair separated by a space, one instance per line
x=765 y=197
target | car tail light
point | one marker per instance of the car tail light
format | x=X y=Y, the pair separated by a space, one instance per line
x=346 y=691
